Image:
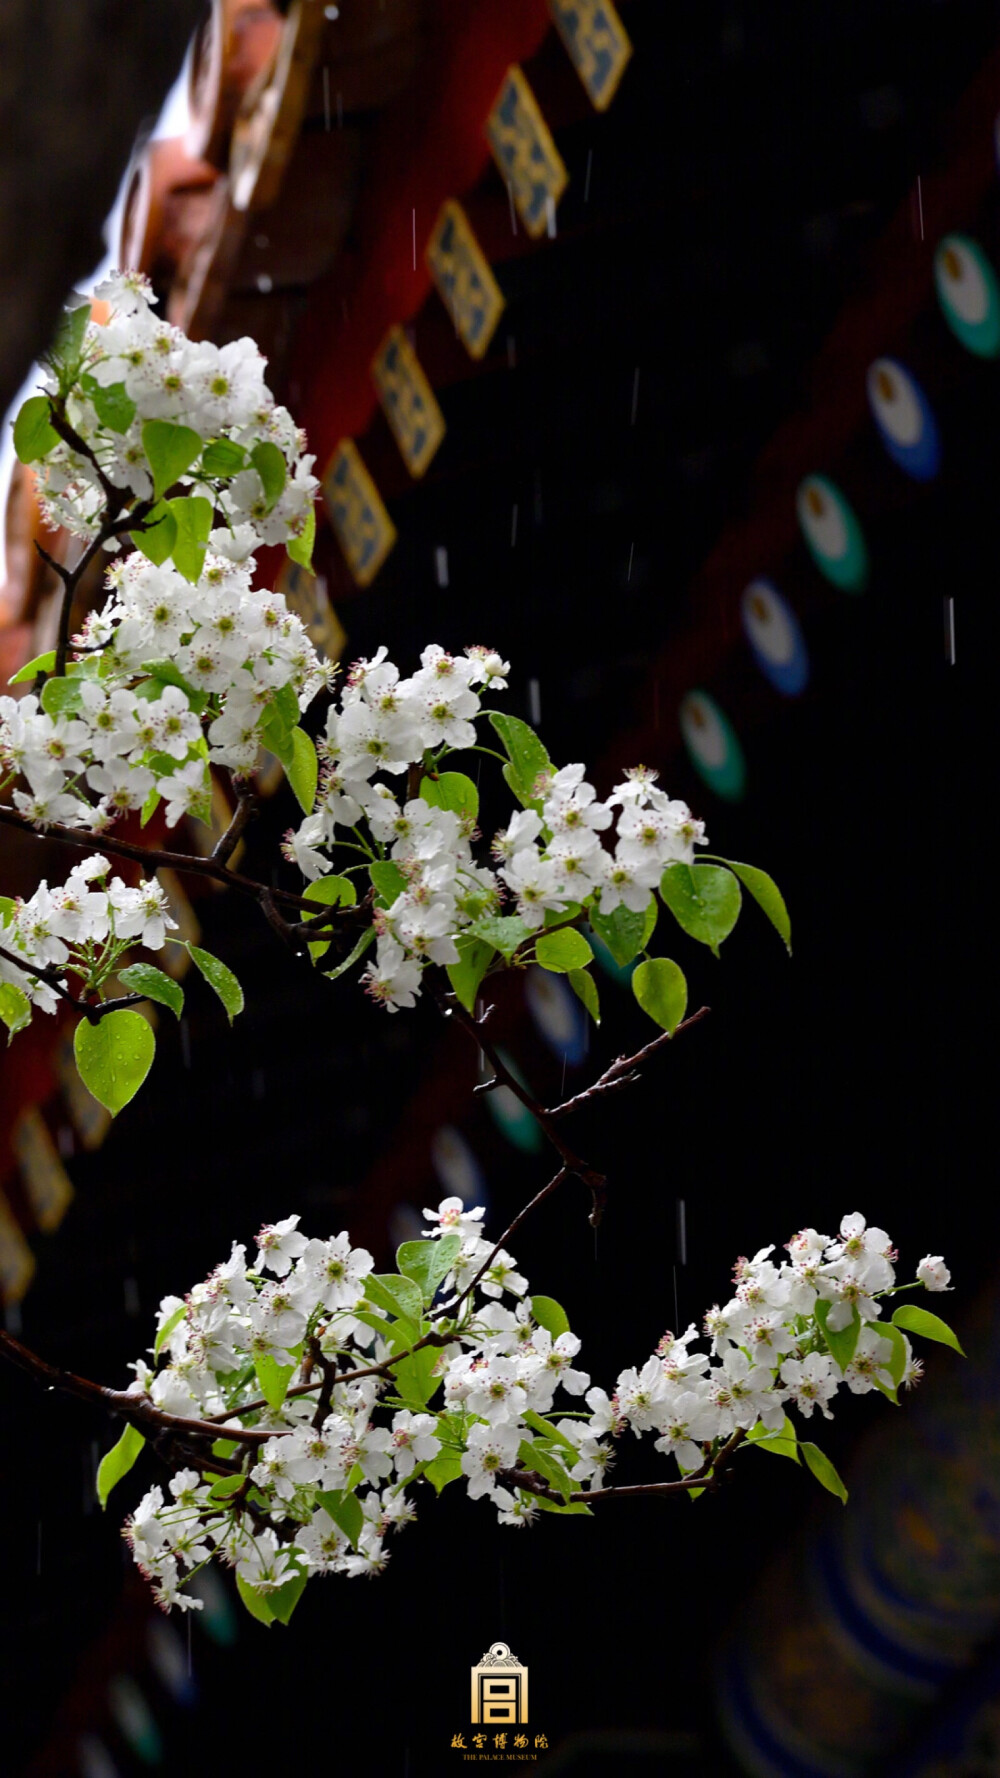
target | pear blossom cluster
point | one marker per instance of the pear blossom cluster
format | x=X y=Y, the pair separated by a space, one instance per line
x=81 y=927
x=218 y=391
x=552 y=856
x=373 y=1389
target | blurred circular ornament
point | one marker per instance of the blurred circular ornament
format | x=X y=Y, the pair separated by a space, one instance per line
x=558 y=1014
x=712 y=744
x=773 y=632
x=168 y=1658
x=905 y=422
x=968 y=294
x=513 y=1119
x=456 y=1166
x=832 y=533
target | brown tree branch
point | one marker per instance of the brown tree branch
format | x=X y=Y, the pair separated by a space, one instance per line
x=137 y=1410
x=152 y=858
x=92 y=1010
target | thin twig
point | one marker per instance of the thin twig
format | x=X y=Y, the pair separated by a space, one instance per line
x=511 y=1229
x=246 y=808
x=572 y=1162
x=707 y=1478
x=623 y=1072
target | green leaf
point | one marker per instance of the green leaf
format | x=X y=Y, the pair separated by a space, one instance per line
x=255 y=1601
x=277 y=737
x=388 y=880
x=286 y=703
x=193 y=517
x=451 y=790
x=503 y=931
x=661 y=990
x=168 y=674
x=226 y=1485
x=783 y=1443
x=562 y=951
x=111 y=402
x=15 y=1009
x=367 y=938
x=823 y=1470
x=149 y=807
x=167 y=1329
x=7 y=906
x=114 y=1057
x=528 y=757
x=225 y=1447
x=273 y=1378
x=170 y=450
x=42 y=663
x=222 y=458
x=331 y=892
x=117 y=1462
x=34 y=436
x=558 y=1506
x=427 y=1262
x=929 y=1327
x=473 y=961
x=143 y=978
x=157 y=535
x=67 y=341
x=533 y=1456
x=766 y=893
x=345 y=1511
x=283 y=1600
x=415 y=1379
x=550 y=1315
x=585 y=989
x=61 y=697
x=444 y=1468
x=272 y=469
x=397 y=1296
x=841 y=1344
x=897 y=1363
x=221 y=979
x=303 y=772
x=300 y=549
x=547 y=1430
x=704 y=900
x=625 y=933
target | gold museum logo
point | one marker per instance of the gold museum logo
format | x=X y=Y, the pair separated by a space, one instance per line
x=499 y=1712
x=499 y=1688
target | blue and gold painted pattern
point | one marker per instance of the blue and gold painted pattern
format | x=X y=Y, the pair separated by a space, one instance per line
x=305 y=594
x=408 y=401
x=524 y=151
x=464 y=278
x=597 y=43
x=364 y=529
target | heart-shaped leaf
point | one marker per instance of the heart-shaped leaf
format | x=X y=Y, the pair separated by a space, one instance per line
x=661 y=990
x=704 y=900
x=114 y=1057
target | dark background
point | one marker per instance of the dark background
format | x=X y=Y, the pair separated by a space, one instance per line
x=752 y=160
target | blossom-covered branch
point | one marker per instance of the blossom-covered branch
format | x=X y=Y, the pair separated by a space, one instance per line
x=174 y=453
x=291 y=1458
